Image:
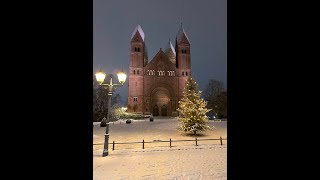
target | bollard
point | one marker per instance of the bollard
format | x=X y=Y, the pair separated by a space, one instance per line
x=142 y=144
x=221 y=140
x=196 y=142
x=113 y=146
x=170 y=142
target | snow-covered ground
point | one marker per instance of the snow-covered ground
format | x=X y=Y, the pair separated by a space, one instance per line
x=184 y=160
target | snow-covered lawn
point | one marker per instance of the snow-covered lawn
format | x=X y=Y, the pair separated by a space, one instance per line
x=184 y=160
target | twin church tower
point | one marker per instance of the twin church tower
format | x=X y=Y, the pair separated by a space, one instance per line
x=156 y=86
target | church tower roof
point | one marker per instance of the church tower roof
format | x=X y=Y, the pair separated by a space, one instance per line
x=139 y=29
x=181 y=34
x=170 y=46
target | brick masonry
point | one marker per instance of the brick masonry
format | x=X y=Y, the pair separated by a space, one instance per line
x=156 y=87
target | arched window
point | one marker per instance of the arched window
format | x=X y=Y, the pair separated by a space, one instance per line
x=186 y=73
x=182 y=73
x=169 y=73
x=138 y=72
x=134 y=71
x=138 y=49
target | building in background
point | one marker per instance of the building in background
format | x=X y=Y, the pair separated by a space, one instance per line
x=156 y=87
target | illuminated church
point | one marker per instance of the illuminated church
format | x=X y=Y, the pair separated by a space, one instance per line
x=156 y=86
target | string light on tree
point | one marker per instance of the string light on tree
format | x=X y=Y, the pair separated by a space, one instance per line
x=193 y=109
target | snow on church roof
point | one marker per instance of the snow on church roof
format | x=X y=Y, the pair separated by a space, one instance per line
x=170 y=46
x=138 y=28
x=181 y=32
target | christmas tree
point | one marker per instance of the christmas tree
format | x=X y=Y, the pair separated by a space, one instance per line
x=192 y=109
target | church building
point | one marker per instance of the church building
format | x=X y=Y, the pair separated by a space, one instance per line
x=156 y=86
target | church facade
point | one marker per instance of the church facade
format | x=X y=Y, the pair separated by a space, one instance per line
x=156 y=86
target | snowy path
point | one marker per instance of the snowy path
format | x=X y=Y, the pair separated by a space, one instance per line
x=183 y=161
x=208 y=162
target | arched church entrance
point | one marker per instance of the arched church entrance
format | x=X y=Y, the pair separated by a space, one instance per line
x=155 y=110
x=160 y=102
x=164 y=110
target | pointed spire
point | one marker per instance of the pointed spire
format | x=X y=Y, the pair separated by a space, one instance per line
x=139 y=29
x=170 y=46
x=181 y=32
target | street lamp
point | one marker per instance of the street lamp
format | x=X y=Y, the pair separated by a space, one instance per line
x=100 y=76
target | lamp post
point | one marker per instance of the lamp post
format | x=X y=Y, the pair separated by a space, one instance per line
x=100 y=76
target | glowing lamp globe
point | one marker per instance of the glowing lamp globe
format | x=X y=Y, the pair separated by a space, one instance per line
x=122 y=77
x=100 y=76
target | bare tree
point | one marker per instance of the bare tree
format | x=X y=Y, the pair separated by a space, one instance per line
x=216 y=96
x=100 y=104
x=212 y=90
x=116 y=99
x=95 y=93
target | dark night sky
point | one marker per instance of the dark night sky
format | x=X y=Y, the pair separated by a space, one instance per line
x=205 y=22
